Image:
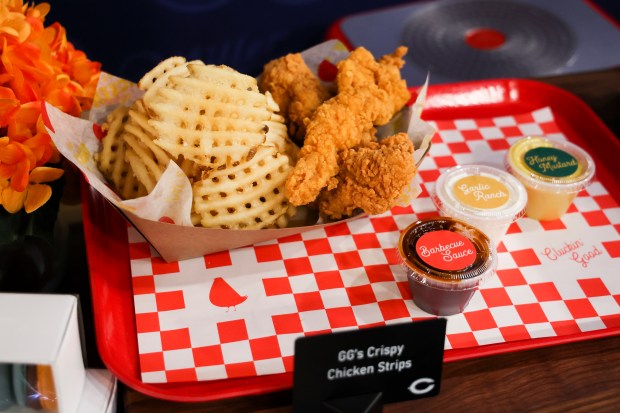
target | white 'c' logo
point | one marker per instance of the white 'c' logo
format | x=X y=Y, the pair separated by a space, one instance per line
x=422 y=386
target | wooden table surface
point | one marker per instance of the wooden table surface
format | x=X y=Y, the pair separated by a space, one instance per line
x=577 y=377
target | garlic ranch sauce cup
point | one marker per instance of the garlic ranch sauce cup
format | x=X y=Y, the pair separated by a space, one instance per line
x=486 y=197
x=552 y=171
x=446 y=260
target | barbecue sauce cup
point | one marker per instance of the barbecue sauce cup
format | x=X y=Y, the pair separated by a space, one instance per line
x=446 y=261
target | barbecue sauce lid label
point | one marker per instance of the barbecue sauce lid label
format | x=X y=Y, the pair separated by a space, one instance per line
x=446 y=250
x=550 y=162
x=481 y=192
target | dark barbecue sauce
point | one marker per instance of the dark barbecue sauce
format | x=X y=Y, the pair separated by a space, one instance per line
x=446 y=260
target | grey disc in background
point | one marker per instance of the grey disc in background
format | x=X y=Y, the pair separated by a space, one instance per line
x=535 y=42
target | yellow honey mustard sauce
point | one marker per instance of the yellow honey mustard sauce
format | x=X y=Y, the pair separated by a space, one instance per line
x=552 y=171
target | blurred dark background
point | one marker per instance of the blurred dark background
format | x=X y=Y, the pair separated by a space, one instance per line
x=130 y=36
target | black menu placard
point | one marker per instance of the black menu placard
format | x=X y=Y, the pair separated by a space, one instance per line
x=389 y=363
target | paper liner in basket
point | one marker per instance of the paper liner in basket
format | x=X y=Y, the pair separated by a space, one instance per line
x=171 y=199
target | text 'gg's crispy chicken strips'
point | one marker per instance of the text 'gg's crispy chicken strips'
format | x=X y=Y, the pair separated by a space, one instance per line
x=341 y=164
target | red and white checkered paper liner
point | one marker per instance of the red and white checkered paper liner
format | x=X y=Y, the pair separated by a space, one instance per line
x=348 y=276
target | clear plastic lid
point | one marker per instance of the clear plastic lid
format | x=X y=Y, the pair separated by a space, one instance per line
x=550 y=164
x=479 y=192
x=447 y=253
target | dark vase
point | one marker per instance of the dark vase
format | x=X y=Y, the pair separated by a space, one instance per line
x=33 y=247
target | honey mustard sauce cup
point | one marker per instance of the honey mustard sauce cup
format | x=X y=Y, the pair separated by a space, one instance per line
x=552 y=171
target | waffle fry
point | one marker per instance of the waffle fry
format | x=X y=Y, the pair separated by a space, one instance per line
x=247 y=195
x=223 y=75
x=148 y=161
x=278 y=137
x=225 y=135
x=277 y=133
x=159 y=71
x=158 y=76
x=214 y=116
x=111 y=159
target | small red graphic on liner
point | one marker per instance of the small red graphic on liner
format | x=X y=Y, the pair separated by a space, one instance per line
x=327 y=71
x=223 y=295
x=98 y=131
x=166 y=220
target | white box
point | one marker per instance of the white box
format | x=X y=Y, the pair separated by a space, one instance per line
x=42 y=329
x=99 y=395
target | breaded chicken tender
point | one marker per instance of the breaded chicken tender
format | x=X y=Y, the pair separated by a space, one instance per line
x=369 y=94
x=371 y=177
x=296 y=90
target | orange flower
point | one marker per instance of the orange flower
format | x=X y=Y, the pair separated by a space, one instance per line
x=13 y=20
x=37 y=64
x=34 y=195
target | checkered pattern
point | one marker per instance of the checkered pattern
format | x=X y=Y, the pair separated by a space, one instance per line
x=237 y=313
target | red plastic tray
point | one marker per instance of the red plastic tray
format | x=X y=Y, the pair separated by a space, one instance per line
x=108 y=256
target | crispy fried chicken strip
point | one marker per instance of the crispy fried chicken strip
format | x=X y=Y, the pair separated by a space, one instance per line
x=360 y=71
x=369 y=94
x=371 y=177
x=295 y=89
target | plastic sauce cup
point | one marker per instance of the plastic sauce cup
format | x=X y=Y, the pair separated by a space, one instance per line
x=446 y=260
x=552 y=171
x=486 y=197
